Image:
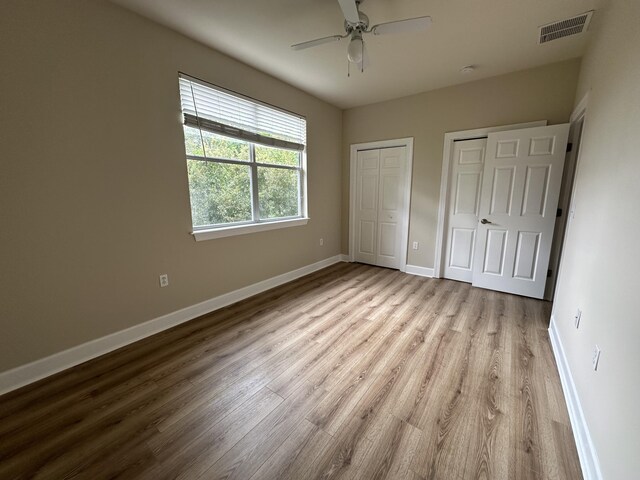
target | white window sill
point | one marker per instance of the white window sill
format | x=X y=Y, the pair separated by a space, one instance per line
x=200 y=235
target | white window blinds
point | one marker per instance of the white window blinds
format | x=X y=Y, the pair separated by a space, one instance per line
x=217 y=110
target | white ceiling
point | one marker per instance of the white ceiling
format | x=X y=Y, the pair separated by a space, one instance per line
x=497 y=36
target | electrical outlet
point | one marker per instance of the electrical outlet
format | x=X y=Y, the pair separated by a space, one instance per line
x=321 y=241
x=596 y=357
x=415 y=245
x=577 y=317
x=164 y=280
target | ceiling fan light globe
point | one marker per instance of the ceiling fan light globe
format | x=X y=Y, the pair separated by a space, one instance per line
x=354 y=50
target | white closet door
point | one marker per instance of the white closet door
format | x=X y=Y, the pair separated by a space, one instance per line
x=390 y=206
x=366 y=217
x=522 y=177
x=464 y=202
x=380 y=176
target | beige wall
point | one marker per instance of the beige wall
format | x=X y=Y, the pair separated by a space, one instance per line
x=600 y=268
x=93 y=190
x=544 y=93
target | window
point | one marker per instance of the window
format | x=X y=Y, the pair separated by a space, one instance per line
x=245 y=162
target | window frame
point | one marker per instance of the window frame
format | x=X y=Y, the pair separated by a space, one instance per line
x=202 y=124
x=256 y=224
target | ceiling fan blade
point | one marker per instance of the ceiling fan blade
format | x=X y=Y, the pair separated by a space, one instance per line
x=350 y=10
x=417 y=24
x=316 y=42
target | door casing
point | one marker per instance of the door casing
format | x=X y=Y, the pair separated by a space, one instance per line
x=404 y=222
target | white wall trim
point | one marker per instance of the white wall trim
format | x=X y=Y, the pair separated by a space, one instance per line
x=210 y=234
x=31 y=372
x=399 y=142
x=449 y=138
x=580 y=109
x=586 y=450
x=420 y=271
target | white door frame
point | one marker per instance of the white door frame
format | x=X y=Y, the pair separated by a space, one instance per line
x=404 y=222
x=579 y=114
x=449 y=138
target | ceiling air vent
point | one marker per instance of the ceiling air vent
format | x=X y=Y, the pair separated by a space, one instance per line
x=564 y=28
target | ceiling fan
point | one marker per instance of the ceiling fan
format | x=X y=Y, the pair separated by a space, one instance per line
x=356 y=24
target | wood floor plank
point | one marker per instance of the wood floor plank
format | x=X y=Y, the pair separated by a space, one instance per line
x=391 y=452
x=350 y=372
x=188 y=452
x=246 y=456
x=292 y=459
x=340 y=404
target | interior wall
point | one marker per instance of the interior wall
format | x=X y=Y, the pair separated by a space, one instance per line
x=94 y=198
x=600 y=263
x=543 y=93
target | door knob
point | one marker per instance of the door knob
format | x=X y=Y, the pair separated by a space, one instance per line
x=484 y=221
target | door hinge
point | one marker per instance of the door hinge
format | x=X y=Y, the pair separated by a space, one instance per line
x=569 y=146
x=559 y=212
x=549 y=272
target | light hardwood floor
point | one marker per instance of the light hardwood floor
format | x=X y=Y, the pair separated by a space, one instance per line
x=351 y=372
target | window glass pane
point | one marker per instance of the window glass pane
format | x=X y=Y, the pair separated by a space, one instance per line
x=277 y=156
x=192 y=142
x=217 y=146
x=278 y=192
x=220 y=192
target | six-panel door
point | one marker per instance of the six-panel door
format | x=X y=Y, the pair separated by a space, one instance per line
x=522 y=177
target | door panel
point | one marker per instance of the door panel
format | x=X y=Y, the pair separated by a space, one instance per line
x=507 y=148
x=495 y=252
x=366 y=246
x=502 y=191
x=462 y=247
x=389 y=192
x=542 y=146
x=535 y=190
x=462 y=216
x=467 y=189
x=369 y=189
x=522 y=176
x=387 y=240
x=526 y=255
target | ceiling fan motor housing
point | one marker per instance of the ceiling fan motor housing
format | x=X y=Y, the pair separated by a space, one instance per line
x=361 y=26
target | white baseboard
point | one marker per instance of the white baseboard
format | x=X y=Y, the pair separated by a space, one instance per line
x=586 y=450
x=31 y=372
x=420 y=271
x=344 y=258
